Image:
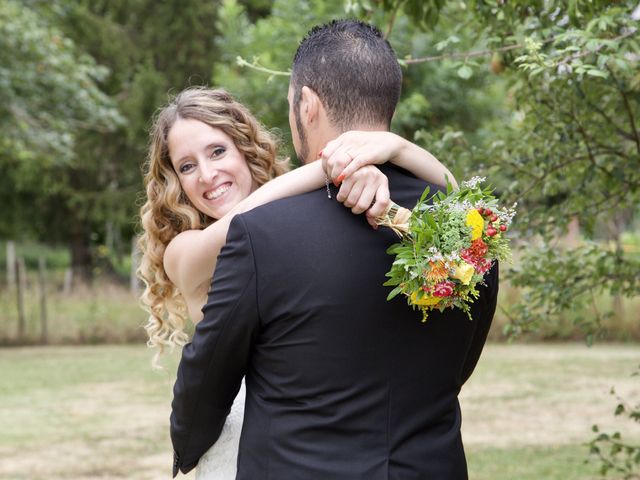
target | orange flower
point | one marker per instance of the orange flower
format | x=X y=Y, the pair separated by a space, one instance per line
x=438 y=271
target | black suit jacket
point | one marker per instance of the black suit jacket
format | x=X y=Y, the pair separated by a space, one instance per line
x=341 y=384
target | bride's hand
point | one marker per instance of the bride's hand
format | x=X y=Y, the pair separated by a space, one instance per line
x=365 y=190
x=355 y=149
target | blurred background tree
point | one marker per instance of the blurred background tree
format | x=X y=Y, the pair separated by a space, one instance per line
x=50 y=97
x=91 y=78
x=540 y=96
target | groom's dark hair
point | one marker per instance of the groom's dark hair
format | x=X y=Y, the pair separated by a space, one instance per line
x=353 y=70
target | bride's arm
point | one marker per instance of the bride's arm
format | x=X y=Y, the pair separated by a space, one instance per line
x=190 y=258
x=352 y=150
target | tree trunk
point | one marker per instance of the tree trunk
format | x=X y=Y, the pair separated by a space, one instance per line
x=81 y=258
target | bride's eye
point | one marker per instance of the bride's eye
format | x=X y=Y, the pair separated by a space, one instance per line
x=186 y=167
x=217 y=151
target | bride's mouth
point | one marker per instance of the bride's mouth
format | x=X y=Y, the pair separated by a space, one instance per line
x=218 y=192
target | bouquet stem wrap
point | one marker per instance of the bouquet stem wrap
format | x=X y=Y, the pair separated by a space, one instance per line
x=396 y=218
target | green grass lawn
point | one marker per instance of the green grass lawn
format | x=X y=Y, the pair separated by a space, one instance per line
x=101 y=412
x=528 y=409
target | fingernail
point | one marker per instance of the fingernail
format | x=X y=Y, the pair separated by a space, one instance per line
x=320 y=154
x=340 y=178
x=336 y=183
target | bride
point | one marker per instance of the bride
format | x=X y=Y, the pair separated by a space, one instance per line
x=208 y=160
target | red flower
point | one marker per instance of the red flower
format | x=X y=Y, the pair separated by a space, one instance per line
x=443 y=289
x=478 y=248
x=483 y=265
x=474 y=255
x=467 y=257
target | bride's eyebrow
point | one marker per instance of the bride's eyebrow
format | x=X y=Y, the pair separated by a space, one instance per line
x=219 y=143
x=215 y=145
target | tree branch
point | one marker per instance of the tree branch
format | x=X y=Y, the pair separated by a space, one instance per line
x=627 y=108
x=548 y=172
x=393 y=19
x=241 y=62
x=466 y=55
x=595 y=108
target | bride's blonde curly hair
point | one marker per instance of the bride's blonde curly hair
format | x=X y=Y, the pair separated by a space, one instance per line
x=167 y=210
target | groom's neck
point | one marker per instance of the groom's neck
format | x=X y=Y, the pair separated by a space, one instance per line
x=329 y=132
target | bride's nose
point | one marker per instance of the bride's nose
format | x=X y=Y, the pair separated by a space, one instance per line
x=207 y=171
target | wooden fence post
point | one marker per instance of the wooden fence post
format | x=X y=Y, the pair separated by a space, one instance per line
x=134 y=282
x=68 y=281
x=11 y=265
x=42 y=277
x=20 y=291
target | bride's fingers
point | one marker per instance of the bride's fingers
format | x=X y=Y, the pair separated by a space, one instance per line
x=337 y=163
x=344 y=191
x=351 y=190
x=358 y=160
x=382 y=200
x=366 y=198
x=331 y=147
x=327 y=153
x=362 y=189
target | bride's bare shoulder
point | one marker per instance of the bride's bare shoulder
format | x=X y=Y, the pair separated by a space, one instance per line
x=173 y=253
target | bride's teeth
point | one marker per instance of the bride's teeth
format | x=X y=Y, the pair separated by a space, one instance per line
x=217 y=192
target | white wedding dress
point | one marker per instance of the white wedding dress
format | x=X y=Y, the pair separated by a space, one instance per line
x=219 y=462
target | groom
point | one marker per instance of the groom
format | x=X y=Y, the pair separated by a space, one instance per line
x=341 y=384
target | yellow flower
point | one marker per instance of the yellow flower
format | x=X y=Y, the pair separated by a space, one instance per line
x=463 y=272
x=424 y=301
x=476 y=222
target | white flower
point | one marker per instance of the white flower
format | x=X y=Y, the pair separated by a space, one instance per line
x=473 y=182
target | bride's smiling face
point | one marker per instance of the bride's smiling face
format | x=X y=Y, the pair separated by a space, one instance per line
x=212 y=171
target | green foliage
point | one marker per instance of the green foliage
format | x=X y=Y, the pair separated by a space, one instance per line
x=424 y=13
x=79 y=104
x=574 y=270
x=566 y=155
x=612 y=452
x=48 y=92
x=49 y=97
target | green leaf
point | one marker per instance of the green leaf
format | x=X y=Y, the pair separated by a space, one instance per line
x=465 y=72
x=394 y=293
x=597 y=73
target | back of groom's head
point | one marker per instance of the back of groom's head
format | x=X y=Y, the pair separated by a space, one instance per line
x=353 y=70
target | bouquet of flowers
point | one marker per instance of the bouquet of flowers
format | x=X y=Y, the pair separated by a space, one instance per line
x=446 y=247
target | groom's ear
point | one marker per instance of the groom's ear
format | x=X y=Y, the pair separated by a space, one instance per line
x=310 y=106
